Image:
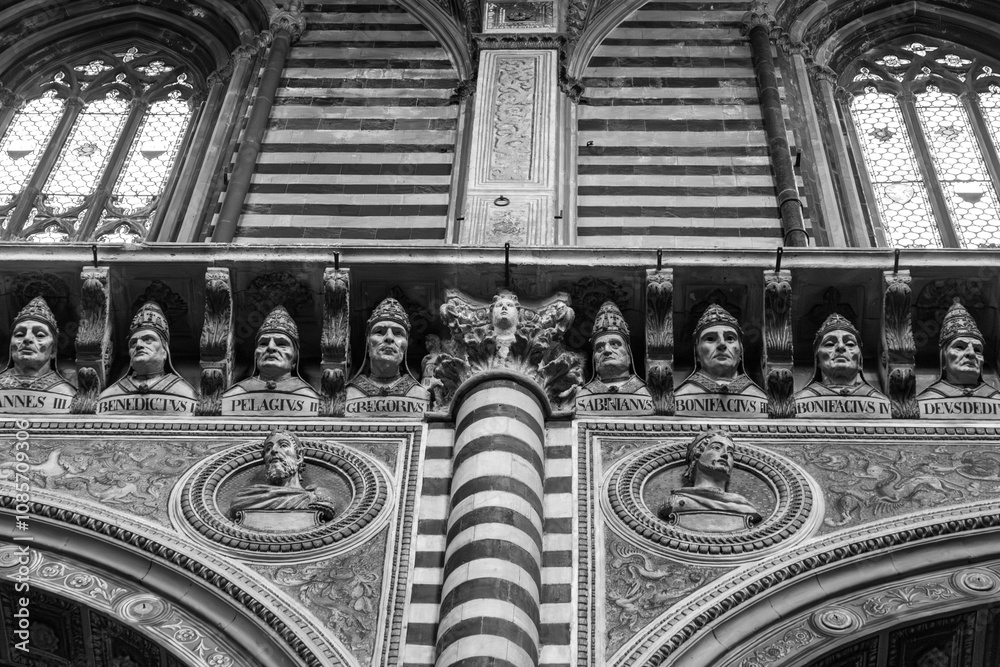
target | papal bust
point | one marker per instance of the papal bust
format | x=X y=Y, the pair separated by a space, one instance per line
x=615 y=388
x=274 y=387
x=961 y=393
x=710 y=460
x=31 y=382
x=284 y=465
x=151 y=385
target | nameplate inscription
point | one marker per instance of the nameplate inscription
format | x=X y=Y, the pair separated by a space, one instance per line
x=147 y=403
x=843 y=406
x=270 y=403
x=614 y=404
x=705 y=405
x=26 y=400
x=959 y=408
x=386 y=406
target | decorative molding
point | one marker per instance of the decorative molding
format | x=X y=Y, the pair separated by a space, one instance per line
x=897 y=350
x=93 y=338
x=788 y=643
x=335 y=343
x=778 y=360
x=519 y=42
x=356 y=520
x=216 y=341
x=660 y=339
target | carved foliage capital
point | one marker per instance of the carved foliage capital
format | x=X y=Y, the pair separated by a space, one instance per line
x=527 y=340
x=757 y=16
x=289 y=19
x=10 y=99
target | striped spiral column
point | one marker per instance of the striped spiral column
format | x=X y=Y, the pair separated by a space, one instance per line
x=493 y=560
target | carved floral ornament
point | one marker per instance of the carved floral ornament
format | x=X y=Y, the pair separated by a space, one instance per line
x=201 y=502
x=789 y=501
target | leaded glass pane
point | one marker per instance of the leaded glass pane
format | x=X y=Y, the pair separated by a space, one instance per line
x=24 y=143
x=958 y=161
x=989 y=102
x=86 y=153
x=900 y=195
x=150 y=159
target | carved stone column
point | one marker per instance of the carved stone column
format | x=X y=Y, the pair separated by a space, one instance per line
x=504 y=370
x=778 y=359
x=93 y=338
x=511 y=193
x=898 y=352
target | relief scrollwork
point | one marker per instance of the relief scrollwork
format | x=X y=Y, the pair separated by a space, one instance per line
x=905 y=597
x=513 y=119
x=343 y=592
x=641 y=586
x=866 y=483
x=788 y=643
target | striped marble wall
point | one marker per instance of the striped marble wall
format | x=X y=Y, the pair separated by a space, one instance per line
x=361 y=138
x=672 y=151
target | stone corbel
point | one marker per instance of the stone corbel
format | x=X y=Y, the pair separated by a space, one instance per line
x=335 y=343
x=216 y=341
x=93 y=339
x=778 y=361
x=660 y=339
x=897 y=353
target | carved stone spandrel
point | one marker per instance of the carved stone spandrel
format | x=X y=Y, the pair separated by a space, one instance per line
x=335 y=344
x=216 y=341
x=660 y=339
x=505 y=337
x=778 y=360
x=897 y=350
x=93 y=338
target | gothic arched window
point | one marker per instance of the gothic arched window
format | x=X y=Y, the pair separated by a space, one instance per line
x=90 y=153
x=926 y=121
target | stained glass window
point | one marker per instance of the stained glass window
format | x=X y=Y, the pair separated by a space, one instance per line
x=918 y=130
x=125 y=111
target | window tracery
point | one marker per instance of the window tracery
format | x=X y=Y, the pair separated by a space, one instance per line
x=926 y=123
x=90 y=153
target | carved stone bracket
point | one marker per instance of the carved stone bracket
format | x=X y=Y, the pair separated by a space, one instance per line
x=335 y=343
x=778 y=360
x=216 y=341
x=93 y=339
x=897 y=349
x=528 y=343
x=660 y=339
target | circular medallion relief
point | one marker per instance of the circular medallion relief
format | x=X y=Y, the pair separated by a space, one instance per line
x=234 y=500
x=735 y=505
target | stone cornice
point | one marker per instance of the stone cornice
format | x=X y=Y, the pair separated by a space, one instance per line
x=71 y=255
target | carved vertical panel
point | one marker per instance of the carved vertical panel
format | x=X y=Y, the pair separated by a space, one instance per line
x=777 y=361
x=512 y=182
x=93 y=339
x=897 y=348
x=660 y=339
x=335 y=343
x=216 y=341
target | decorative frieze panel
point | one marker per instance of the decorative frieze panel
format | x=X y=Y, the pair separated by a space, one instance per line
x=520 y=16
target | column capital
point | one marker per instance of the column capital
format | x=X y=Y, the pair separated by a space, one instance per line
x=505 y=338
x=756 y=16
x=289 y=19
